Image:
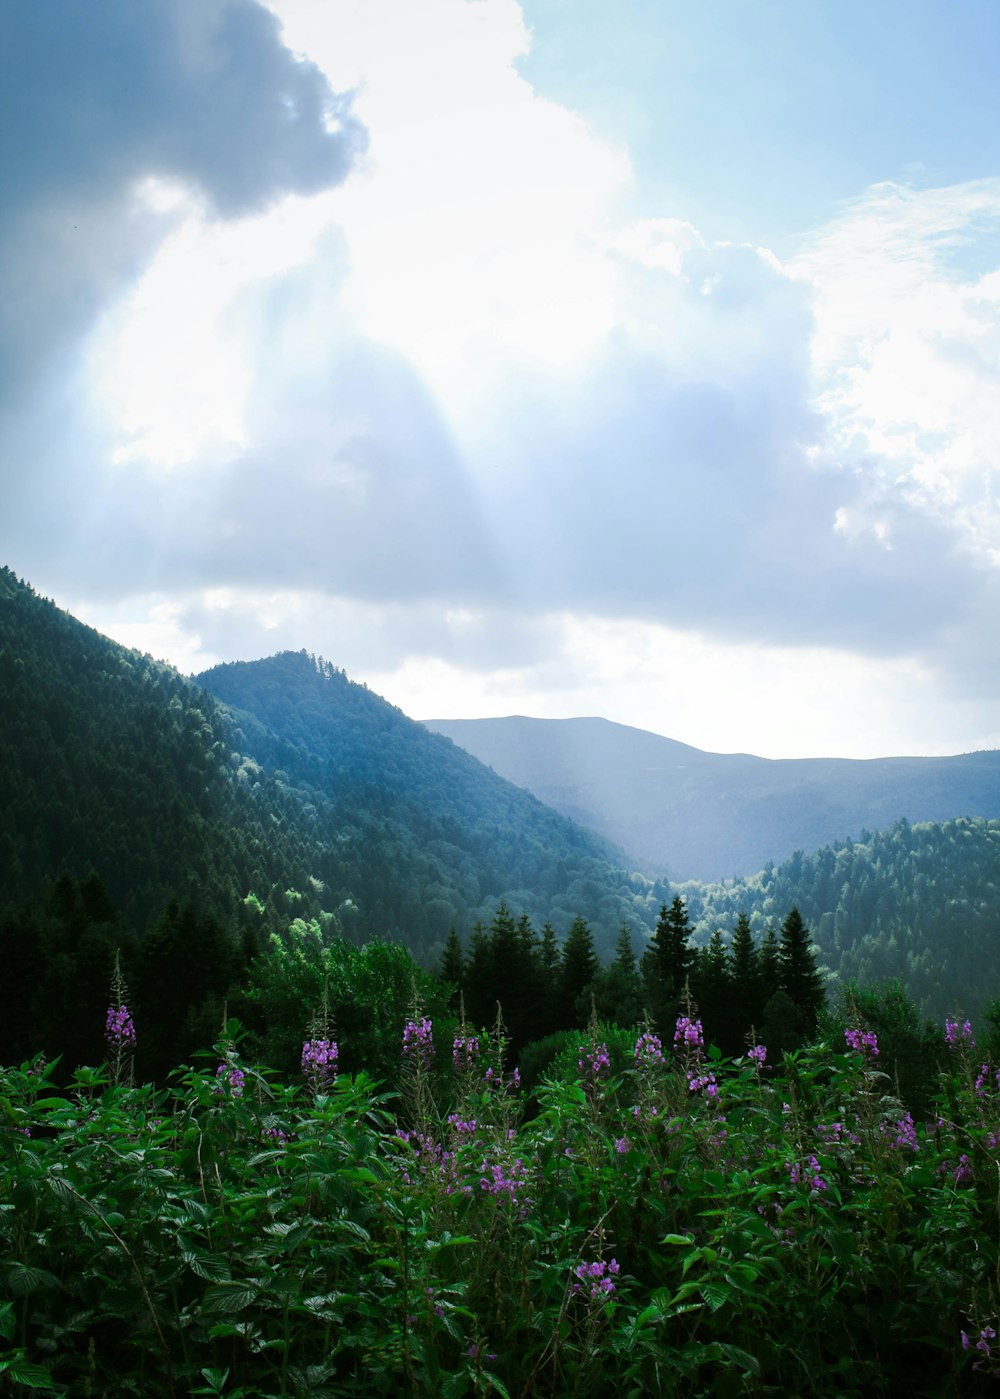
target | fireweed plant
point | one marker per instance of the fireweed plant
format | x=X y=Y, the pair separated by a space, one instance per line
x=667 y=1223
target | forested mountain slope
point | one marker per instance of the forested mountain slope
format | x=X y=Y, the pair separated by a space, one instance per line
x=687 y=814
x=917 y=902
x=463 y=837
x=325 y=801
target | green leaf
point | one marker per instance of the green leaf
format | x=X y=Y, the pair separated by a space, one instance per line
x=496 y=1384
x=26 y=1373
x=229 y=1298
x=714 y=1294
x=207 y=1265
x=22 y=1279
x=749 y=1363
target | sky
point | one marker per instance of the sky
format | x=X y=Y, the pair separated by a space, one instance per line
x=637 y=358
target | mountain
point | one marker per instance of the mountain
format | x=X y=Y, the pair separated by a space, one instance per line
x=683 y=813
x=274 y=788
x=916 y=902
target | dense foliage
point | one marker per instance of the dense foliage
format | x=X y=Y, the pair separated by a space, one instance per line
x=916 y=902
x=323 y=802
x=681 y=1226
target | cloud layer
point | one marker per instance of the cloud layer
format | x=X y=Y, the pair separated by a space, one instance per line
x=464 y=410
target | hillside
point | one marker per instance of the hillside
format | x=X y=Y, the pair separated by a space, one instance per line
x=917 y=902
x=683 y=813
x=324 y=801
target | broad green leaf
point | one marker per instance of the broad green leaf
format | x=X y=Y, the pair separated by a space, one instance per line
x=229 y=1298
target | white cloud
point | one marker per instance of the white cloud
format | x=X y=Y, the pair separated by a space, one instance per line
x=467 y=429
x=907 y=351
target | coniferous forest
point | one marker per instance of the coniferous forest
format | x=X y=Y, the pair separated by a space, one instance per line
x=336 y=1065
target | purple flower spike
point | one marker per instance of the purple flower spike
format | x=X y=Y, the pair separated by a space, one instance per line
x=118 y=1028
x=319 y=1064
x=689 y=1034
x=418 y=1040
x=648 y=1050
x=230 y=1079
x=863 y=1041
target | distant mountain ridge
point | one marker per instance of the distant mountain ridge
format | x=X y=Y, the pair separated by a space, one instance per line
x=682 y=813
x=313 y=798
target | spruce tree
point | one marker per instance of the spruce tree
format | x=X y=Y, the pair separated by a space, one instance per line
x=452 y=968
x=667 y=963
x=744 y=966
x=579 y=966
x=618 y=988
x=711 y=986
x=798 y=975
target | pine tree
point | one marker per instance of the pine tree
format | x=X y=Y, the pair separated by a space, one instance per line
x=480 y=1003
x=579 y=966
x=452 y=968
x=617 y=988
x=744 y=966
x=711 y=985
x=798 y=975
x=667 y=964
x=768 y=964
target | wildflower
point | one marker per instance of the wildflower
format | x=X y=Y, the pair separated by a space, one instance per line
x=418 y=1040
x=959 y=1034
x=901 y=1132
x=319 y=1063
x=806 y=1172
x=648 y=1050
x=595 y=1064
x=703 y=1083
x=506 y=1180
x=119 y=1030
x=863 y=1041
x=689 y=1034
x=465 y=1052
x=596 y=1281
x=962 y=1173
x=758 y=1053
x=622 y=1145
x=231 y=1080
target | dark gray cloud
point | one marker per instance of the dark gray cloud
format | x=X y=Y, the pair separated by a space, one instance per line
x=96 y=95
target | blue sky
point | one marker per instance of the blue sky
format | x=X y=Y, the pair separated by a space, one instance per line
x=558 y=357
x=759 y=118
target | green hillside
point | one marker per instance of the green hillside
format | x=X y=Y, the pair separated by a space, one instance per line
x=683 y=813
x=918 y=902
x=324 y=801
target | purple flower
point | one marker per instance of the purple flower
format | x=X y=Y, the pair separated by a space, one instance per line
x=900 y=1132
x=648 y=1050
x=703 y=1083
x=758 y=1053
x=962 y=1173
x=418 y=1040
x=231 y=1080
x=319 y=1064
x=688 y=1034
x=465 y=1052
x=596 y=1281
x=595 y=1065
x=955 y=1033
x=863 y=1041
x=118 y=1028
x=806 y=1172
